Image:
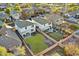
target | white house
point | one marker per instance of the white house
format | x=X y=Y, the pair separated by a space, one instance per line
x=25 y=28
x=42 y=23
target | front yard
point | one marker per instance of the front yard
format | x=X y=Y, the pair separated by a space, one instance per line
x=56 y=35
x=36 y=43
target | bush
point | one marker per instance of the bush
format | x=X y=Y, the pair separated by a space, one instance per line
x=71 y=50
x=74 y=27
x=3 y=52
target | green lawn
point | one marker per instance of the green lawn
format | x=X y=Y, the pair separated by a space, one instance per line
x=56 y=35
x=37 y=43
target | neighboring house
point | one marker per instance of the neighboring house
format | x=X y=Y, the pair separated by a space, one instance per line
x=2 y=15
x=28 y=11
x=72 y=14
x=42 y=23
x=55 y=19
x=73 y=17
x=8 y=42
x=3 y=5
x=36 y=10
x=9 y=39
x=76 y=33
x=72 y=20
x=48 y=10
x=15 y=14
x=73 y=38
x=25 y=28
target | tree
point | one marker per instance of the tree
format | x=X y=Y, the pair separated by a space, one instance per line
x=17 y=8
x=72 y=7
x=71 y=50
x=8 y=10
x=24 y=15
x=37 y=4
x=74 y=27
x=28 y=5
x=21 y=50
x=41 y=11
x=3 y=52
x=55 y=9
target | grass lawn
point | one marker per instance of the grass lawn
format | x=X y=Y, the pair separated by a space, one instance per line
x=37 y=43
x=56 y=35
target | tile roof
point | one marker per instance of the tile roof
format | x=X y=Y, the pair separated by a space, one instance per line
x=74 y=13
x=71 y=20
x=41 y=20
x=9 y=39
x=8 y=42
x=3 y=5
x=54 y=17
x=2 y=14
x=23 y=23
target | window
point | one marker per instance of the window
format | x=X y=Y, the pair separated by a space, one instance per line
x=27 y=34
x=32 y=25
x=50 y=27
x=25 y=27
x=31 y=29
x=24 y=35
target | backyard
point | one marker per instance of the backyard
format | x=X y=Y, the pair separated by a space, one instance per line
x=56 y=35
x=36 y=43
x=57 y=51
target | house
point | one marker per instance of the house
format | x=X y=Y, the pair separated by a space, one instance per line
x=25 y=28
x=47 y=10
x=76 y=33
x=72 y=14
x=42 y=23
x=45 y=7
x=73 y=38
x=72 y=20
x=15 y=15
x=8 y=42
x=56 y=19
x=2 y=15
x=72 y=17
x=9 y=39
x=29 y=11
x=3 y=5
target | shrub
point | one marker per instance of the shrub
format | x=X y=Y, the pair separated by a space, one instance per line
x=71 y=50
